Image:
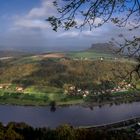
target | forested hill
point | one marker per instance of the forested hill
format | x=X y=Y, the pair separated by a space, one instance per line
x=53 y=72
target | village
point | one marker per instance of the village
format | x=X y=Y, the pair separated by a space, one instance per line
x=72 y=90
x=75 y=91
x=7 y=86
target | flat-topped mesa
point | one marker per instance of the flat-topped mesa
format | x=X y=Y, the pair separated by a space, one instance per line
x=103 y=48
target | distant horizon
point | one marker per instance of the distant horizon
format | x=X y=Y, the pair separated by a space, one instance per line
x=45 y=48
x=42 y=48
x=23 y=26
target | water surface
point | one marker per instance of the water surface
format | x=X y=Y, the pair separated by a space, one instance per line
x=74 y=115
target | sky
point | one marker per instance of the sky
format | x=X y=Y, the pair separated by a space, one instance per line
x=23 y=27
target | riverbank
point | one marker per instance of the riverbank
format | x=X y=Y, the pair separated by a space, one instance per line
x=114 y=98
x=34 y=98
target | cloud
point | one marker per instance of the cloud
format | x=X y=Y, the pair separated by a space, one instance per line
x=31 y=29
x=96 y=32
x=35 y=19
x=32 y=24
x=69 y=34
x=76 y=33
x=88 y=33
x=46 y=9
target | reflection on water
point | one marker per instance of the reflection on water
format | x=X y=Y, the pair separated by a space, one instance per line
x=53 y=106
x=91 y=107
x=74 y=115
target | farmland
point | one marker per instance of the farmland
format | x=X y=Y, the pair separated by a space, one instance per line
x=89 y=55
x=45 y=77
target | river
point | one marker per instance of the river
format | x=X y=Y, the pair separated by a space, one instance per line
x=74 y=115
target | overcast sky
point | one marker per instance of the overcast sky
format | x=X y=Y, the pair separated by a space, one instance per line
x=23 y=25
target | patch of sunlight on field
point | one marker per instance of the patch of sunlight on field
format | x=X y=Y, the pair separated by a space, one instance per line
x=43 y=89
x=52 y=96
x=89 y=55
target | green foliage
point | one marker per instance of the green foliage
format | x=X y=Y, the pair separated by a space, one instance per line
x=44 y=80
x=65 y=132
x=21 y=131
x=54 y=73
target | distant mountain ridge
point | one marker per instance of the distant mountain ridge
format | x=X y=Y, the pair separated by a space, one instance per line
x=10 y=53
x=103 y=48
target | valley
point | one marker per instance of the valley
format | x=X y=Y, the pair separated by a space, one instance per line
x=84 y=77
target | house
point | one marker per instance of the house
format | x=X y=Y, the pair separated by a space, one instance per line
x=103 y=92
x=117 y=89
x=101 y=58
x=123 y=88
x=19 y=89
x=72 y=88
x=86 y=92
x=138 y=123
x=84 y=95
x=129 y=85
x=4 y=86
x=79 y=90
x=112 y=90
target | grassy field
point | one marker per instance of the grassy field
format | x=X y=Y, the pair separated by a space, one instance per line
x=89 y=55
x=38 y=96
x=92 y=55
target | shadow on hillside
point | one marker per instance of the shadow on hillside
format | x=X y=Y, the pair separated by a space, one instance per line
x=48 y=72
